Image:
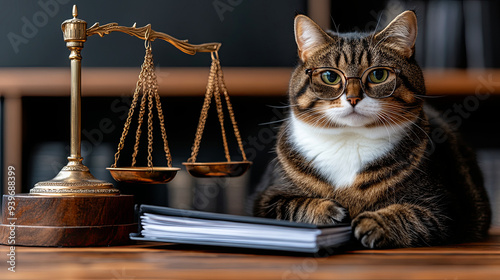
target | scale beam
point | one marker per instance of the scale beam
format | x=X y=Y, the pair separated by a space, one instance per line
x=146 y=33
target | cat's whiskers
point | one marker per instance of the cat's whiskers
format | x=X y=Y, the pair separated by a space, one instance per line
x=413 y=123
x=279 y=137
x=393 y=124
x=398 y=126
x=315 y=118
x=320 y=120
x=380 y=41
x=372 y=36
x=403 y=109
x=335 y=25
x=381 y=119
x=333 y=118
x=389 y=135
x=399 y=114
x=415 y=167
x=313 y=121
x=274 y=122
x=284 y=106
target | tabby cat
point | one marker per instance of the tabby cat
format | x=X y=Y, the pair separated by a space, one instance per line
x=361 y=146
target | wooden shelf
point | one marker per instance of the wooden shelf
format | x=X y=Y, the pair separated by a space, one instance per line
x=192 y=81
x=462 y=82
x=121 y=81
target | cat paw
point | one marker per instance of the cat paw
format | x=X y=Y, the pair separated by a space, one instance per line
x=369 y=230
x=325 y=212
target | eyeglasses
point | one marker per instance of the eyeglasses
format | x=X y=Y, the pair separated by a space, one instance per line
x=330 y=83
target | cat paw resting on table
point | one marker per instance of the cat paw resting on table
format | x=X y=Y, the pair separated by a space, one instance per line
x=357 y=145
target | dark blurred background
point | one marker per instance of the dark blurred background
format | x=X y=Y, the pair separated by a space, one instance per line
x=254 y=34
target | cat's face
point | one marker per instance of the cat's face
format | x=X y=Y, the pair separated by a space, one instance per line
x=354 y=79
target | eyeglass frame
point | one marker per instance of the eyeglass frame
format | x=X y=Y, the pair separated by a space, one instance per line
x=396 y=71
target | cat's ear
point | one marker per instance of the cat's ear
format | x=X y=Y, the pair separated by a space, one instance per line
x=400 y=34
x=308 y=35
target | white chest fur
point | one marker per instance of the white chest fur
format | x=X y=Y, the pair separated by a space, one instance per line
x=339 y=154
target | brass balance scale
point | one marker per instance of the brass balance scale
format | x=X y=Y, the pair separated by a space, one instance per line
x=154 y=175
x=76 y=209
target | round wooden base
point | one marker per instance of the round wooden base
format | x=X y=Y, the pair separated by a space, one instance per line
x=67 y=221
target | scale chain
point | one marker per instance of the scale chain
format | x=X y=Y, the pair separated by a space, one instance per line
x=220 y=114
x=139 y=124
x=204 y=112
x=130 y=115
x=162 y=126
x=215 y=85
x=150 y=123
x=231 y=112
x=127 y=125
x=147 y=83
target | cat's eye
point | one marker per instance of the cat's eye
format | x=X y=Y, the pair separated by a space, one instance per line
x=330 y=77
x=378 y=76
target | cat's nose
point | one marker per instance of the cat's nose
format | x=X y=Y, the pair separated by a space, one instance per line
x=353 y=100
x=354 y=93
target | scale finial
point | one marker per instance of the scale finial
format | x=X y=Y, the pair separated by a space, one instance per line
x=75 y=11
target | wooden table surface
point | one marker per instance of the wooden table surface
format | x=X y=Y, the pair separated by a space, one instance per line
x=167 y=261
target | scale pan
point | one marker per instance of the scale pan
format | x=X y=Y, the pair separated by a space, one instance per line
x=143 y=175
x=217 y=169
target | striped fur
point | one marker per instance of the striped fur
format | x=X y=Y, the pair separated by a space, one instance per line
x=374 y=163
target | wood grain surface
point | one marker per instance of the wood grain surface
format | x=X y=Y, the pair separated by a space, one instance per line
x=168 y=261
